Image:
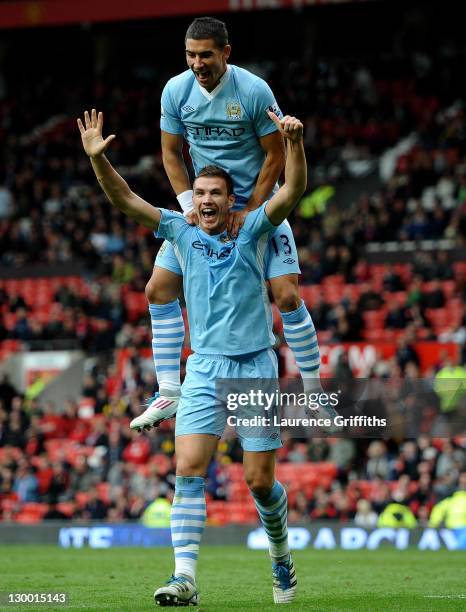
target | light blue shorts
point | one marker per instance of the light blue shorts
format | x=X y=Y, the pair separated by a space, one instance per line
x=206 y=397
x=281 y=257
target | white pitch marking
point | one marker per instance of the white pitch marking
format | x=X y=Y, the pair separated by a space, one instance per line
x=445 y=596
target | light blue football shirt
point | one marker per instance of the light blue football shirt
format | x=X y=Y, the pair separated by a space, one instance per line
x=222 y=127
x=226 y=297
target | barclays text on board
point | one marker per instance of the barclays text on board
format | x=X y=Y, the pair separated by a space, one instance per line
x=354 y=538
x=319 y=537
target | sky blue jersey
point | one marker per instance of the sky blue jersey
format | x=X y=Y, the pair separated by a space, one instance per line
x=222 y=127
x=223 y=279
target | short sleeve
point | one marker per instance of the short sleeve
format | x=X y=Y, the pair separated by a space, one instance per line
x=172 y=225
x=262 y=101
x=257 y=223
x=170 y=120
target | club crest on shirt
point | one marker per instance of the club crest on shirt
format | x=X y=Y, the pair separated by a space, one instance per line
x=233 y=110
x=226 y=238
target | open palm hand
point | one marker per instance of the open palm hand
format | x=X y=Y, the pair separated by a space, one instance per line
x=91 y=134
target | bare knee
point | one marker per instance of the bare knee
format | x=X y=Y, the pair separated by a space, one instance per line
x=285 y=293
x=163 y=287
x=194 y=453
x=260 y=482
x=187 y=467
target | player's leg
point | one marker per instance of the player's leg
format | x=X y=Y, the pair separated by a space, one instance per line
x=282 y=271
x=162 y=293
x=300 y=334
x=272 y=506
x=188 y=517
x=198 y=429
x=259 y=446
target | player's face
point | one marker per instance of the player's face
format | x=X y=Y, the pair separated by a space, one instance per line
x=207 y=61
x=212 y=203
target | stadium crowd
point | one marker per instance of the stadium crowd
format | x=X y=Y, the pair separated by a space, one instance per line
x=80 y=460
x=52 y=212
x=354 y=111
x=61 y=462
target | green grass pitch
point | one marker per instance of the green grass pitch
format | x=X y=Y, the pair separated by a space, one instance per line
x=234 y=578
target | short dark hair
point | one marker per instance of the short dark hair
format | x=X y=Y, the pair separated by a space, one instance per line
x=216 y=172
x=203 y=28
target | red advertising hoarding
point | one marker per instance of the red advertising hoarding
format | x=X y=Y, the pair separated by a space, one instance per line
x=23 y=14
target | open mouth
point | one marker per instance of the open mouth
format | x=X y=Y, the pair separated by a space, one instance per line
x=208 y=213
x=203 y=76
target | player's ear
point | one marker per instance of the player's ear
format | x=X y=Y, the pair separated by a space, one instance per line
x=231 y=200
x=226 y=52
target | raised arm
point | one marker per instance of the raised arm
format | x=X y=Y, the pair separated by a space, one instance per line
x=175 y=167
x=274 y=149
x=173 y=162
x=115 y=187
x=286 y=198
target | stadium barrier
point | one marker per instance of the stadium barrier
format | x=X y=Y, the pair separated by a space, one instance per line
x=319 y=536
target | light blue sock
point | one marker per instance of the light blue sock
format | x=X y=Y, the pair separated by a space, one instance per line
x=188 y=518
x=273 y=512
x=301 y=337
x=167 y=342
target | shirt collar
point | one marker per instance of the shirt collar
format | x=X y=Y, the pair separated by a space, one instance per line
x=210 y=95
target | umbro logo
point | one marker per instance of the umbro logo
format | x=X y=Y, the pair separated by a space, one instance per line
x=289 y=260
x=187 y=109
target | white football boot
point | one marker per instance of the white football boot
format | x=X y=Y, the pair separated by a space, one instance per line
x=178 y=591
x=160 y=408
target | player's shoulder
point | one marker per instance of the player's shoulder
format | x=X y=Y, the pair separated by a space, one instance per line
x=168 y=213
x=173 y=225
x=254 y=217
x=180 y=82
x=247 y=81
x=173 y=217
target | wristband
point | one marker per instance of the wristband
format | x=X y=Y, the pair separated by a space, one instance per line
x=185 y=200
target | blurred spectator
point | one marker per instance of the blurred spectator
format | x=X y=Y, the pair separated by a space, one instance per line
x=138 y=449
x=406 y=352
x=450 y=460
x=377 y=465
x=157 y=514
x=54 y=514
x=321 y=507
x=25 y=484
x=365 y=516
x=396 y=516
x=391 y=280
x=6 y=202
x=396 y=317
x=7 y=391
x=450 y=386
x=59 y=483
x=451 y=512
x=82 y=478
x=95 y=508
x=369 y=299
x=434 y=298
x=342 y=453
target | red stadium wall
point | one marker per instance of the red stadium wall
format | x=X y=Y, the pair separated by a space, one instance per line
x=60 y=12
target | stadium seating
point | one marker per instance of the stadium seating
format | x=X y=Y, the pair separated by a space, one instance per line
x=339 y=119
